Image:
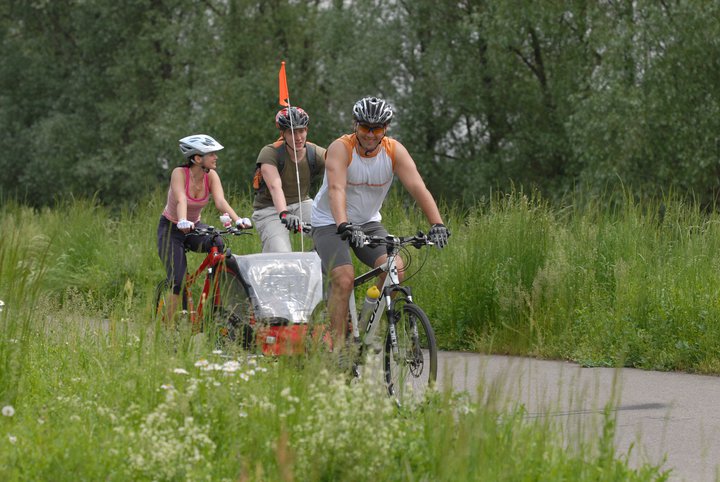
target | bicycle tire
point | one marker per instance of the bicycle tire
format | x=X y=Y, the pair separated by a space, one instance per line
x=233 y=311
x=413 y=370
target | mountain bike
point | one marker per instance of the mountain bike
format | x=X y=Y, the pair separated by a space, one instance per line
x=222 y=301
x=409 y=348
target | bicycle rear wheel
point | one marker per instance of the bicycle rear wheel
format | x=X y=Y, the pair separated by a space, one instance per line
x=232 y=311
x=413 y=369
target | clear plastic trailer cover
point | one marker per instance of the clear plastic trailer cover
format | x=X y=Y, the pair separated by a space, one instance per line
x=282 y=285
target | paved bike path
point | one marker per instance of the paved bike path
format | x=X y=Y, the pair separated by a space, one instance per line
x=671 y=419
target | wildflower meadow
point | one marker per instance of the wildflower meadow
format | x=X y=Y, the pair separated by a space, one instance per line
x=93 y=387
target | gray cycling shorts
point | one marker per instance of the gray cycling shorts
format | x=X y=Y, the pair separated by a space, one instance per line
x=334 y=251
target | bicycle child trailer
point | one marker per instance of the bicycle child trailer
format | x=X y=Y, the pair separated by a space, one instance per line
x=284 y=289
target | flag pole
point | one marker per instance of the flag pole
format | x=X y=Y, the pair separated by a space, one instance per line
x=285 y=100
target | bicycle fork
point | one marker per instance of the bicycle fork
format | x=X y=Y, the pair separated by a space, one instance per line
x=394 y=315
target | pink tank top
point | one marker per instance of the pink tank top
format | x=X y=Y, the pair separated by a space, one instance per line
x=194 y=206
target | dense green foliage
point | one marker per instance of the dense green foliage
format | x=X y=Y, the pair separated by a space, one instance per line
x=548 y=95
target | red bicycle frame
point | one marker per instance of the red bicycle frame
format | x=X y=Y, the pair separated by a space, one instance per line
x=211 y=261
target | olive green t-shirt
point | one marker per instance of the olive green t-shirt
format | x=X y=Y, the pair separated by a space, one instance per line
x=288 y=176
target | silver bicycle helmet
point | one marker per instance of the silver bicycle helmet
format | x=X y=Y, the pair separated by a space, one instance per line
x=371 y=110
x=199 y=144
x=299 y=118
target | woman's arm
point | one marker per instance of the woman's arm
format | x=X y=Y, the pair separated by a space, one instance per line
x=218 y=195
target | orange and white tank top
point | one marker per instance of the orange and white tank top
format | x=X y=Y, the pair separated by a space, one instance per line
x=368 y=182
x=194 y=206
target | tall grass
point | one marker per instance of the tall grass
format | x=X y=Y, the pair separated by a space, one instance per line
x=112 y=401
x=601 y=281
x=92 y=389
x=608 y=282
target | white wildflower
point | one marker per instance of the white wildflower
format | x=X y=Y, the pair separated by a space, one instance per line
x=217 y=352
x=231 y=366
x=8 y=411
x=12 y=439
x=181 y=371
x=202 y=363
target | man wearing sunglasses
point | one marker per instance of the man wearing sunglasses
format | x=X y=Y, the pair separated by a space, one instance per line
x=359 y=170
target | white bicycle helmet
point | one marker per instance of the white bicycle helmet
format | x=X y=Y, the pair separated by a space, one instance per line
x=199 y=144
x=371 y=110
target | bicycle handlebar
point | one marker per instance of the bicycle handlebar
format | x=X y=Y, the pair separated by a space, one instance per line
x=213 y=231
x=418 y=240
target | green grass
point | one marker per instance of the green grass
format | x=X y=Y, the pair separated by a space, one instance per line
x=124 y=400
x=600 y=281
x=101 y=392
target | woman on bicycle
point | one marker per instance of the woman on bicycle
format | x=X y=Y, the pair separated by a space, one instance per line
x=191 y=187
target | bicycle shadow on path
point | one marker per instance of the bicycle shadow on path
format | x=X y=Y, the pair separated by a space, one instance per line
x=662 y=418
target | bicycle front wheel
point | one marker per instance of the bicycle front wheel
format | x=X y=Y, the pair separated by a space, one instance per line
x=412 y=368
x=232 y=310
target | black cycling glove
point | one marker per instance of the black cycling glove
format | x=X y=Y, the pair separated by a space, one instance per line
x=439 y=235
x=353 y=233
x=290 y=221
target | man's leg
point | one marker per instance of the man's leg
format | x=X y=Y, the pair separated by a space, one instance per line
x=339 y=273
x=341 y=286
x=274 y=235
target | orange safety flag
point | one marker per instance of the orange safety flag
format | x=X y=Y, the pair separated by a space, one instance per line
x=284 y=96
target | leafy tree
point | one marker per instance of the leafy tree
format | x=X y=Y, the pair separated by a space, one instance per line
x=548 y=95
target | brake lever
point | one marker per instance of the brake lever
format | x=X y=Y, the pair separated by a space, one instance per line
x=420 y=240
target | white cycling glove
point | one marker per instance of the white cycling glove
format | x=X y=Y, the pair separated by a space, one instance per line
x=185 y=224
x=226 y=220
x=243 y=223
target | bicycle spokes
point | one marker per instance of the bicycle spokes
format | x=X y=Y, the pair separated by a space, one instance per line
x=231 y=314
x=410 y=354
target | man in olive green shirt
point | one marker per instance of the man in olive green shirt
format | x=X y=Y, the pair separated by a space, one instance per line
x=278 y=206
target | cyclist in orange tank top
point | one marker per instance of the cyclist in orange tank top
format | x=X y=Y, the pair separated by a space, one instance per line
x=191 y=187
x=359 y=169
